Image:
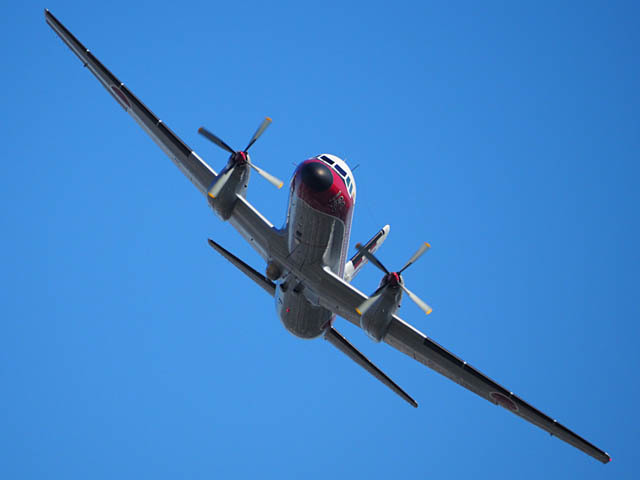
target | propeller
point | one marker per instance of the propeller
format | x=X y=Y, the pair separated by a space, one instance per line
x=240 y=157
x=394 y=279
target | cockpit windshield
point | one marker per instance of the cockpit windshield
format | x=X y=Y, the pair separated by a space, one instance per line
x=341 y=171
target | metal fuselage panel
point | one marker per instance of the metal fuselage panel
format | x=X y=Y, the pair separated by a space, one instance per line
x=317 y=237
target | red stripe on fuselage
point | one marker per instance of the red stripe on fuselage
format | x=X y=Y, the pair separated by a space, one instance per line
x=334 y=201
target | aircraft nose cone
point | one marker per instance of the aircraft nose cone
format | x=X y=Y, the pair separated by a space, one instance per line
x=316 y=176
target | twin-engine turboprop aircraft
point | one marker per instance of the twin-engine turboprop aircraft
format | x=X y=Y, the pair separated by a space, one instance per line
x=307 y=270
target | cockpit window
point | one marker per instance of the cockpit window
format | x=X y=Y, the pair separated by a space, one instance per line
x=347 y=179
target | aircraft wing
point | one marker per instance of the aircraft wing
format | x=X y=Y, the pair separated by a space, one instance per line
x=186 y=159
x=256 y=229
x=412 y=342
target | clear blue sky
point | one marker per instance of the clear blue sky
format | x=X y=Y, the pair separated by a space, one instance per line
x=506 y=136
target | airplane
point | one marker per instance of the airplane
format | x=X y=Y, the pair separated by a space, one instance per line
x=307 y=271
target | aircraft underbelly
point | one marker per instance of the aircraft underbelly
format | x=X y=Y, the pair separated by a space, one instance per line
x=315 y=240
x=299 y=315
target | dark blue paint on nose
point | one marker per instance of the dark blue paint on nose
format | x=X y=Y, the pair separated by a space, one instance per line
x=317 y=176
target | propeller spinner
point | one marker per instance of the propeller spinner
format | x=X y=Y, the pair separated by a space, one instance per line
x=393 y=279
x=240 y=157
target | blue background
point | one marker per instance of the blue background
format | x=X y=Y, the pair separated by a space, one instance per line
x=505 y=135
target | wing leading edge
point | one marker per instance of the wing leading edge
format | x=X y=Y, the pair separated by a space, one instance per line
x=196 y=170
x=256 y=229
x=414 y=343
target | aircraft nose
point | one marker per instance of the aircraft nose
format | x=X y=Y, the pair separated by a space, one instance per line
x=316 y=176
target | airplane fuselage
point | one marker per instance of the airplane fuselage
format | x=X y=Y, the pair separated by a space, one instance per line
x=321 y=200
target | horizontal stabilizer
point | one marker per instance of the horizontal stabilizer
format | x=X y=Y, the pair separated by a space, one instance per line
x=354 y=354
x=254 y=275
x=359 y=260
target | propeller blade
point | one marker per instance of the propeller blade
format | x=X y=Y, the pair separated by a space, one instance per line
x=207 y=134
x=371 y=257
x=276 y=182
x=425 y=308
x=263 y=126
x=220 y=182
x=425 y=246
x=364 y=306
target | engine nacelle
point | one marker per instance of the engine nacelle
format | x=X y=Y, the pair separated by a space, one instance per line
x=236 y=185
x=376 y=320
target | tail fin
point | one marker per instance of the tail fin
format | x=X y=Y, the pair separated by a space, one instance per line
x=342 y=344
x=358 y=261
